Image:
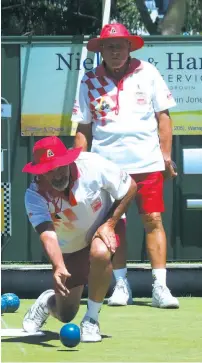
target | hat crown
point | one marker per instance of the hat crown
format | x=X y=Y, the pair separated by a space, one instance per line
x=114 y=30
x=48 y=148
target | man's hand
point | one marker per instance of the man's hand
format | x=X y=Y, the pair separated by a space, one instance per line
x=107 y=234
x=170 y=171
x=60 y=275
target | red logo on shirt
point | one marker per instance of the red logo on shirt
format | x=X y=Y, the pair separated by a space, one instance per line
x=75 y=108
x=169 y=96
x=96 y=204
x=141 y=98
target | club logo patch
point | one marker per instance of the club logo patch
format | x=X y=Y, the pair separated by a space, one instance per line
x=112 y=31
x=105 y=103
x=49 y=153
x=124 y=176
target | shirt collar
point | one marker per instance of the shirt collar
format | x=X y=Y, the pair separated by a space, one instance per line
x=134 y=66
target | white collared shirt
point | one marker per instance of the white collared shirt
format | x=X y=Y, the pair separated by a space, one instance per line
x=100 y=182
x=124 y=125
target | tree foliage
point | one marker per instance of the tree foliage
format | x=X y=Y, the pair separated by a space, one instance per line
x=51 y=17
x=73 y=17
x=126 y=12
x=134 y=14
x=193 y=20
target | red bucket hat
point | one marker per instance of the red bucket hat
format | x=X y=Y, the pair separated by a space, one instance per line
x=50 y=153
x=112 y=31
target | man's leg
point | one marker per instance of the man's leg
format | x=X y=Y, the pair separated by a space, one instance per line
x=156 y=245
x=156 y=248
x=150 y=204
x=122 y=294
x=49 y=303
x=65 y=308
x=98 y=285
x=62 y=308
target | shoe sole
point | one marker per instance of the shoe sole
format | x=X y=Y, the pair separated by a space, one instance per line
x=119 y=304
x=165 y=306
x=91 y=341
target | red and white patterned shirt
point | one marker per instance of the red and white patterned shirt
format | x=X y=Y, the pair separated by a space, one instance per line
x=123 y=118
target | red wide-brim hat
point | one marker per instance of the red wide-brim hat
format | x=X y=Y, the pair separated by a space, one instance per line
x=50 y=153
x=112 y=31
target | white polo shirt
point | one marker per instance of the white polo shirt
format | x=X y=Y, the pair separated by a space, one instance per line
x=123 y=119
x=96 y=182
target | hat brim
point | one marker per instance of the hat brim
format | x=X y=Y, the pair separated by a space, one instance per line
x=94 y=44
x=56 y=162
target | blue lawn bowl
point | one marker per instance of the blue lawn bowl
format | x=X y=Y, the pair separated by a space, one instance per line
x=13 y=302
x=3 y=304
x=70 y=335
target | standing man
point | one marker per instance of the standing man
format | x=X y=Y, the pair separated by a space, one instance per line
x=123 y=110
x=74 y=203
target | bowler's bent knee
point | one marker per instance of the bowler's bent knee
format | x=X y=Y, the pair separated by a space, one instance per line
x=68 y=314
x=66 y=308
x=99 y=252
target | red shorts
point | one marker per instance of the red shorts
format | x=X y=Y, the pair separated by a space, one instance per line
x=149 y=197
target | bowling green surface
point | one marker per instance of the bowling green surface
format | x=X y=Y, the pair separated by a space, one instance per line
x=137 y=333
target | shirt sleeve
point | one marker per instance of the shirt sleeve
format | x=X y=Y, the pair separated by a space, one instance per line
x=116 y=181
x=36 y=208
x=161 y=96
x=81 y=111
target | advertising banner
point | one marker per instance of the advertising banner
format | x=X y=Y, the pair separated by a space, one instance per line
x=51 y=75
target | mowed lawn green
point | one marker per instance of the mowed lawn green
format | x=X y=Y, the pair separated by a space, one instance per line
x=137 y=333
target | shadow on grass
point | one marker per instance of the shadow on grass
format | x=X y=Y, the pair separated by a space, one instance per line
x=67 y=350
x=104 y=336
x=135 y=302
x=37 y=340
x=43 y=340
x=141 y=303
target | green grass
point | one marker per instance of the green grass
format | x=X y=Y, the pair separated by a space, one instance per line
x=139 y=333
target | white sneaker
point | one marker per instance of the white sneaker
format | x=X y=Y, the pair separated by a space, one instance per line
x=122 y=294
x=162 y=298
x=38 y=313
x=90 y=331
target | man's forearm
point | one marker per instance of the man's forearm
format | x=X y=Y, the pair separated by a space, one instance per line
x=83 y=136
x=165 y=134
x=119 y=207
x=52 y=248
x=81 y=141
